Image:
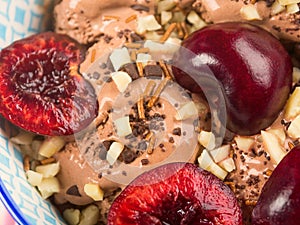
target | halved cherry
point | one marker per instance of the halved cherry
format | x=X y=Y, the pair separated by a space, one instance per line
x=176 y=193
x=41 y=89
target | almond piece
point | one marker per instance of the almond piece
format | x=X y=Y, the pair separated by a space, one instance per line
x=196 y=20
x=166 y=16
x=51 y=145
x=279 y=133
x=89 y=215
x=296 y=74
x=94 y=191
x=23 y=138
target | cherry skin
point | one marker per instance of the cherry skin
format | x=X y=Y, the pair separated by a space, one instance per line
x=279 y=202
x=253 y=70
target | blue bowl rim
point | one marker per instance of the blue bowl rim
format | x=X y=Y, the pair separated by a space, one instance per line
x=11 y=206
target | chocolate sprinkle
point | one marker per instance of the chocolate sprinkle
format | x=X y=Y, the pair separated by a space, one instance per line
x=177 y=131
x=73 y=190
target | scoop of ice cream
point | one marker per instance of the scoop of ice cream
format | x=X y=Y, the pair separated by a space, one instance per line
x=279 y=21
x=90 y=21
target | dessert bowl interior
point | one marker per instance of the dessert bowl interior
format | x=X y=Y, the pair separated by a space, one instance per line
x=18 y=19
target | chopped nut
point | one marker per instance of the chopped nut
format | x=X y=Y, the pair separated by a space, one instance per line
x=51 y=145
x=151 y=144
x=220 y=153
x=272 y=146
x=187 y=111
x=48 y=170
x=89 y=215
x=294 y=128
x=228 y=164
x=292 y=108
x=250 y=202
x=249 y=12
x=123 y=126
x=277 y=8
x=147 y=23
x=206 y=162
x=207 y=139
x=165 y=5
x=120 y=57
x=166 y=16
x=72 y=216
x=292 y=8
x=48 y=187
x=288 y=2
x=34 y=178
x=114 y=152
x=94 y=191
x=244 y=143
x=22 y=138
x=121 y=79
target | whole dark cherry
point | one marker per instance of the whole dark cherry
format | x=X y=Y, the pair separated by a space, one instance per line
x=250 y=66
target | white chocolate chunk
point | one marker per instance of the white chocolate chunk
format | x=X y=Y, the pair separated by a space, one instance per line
x=114 y=152
x=48 y=170
x=51 y=145
x=34 y=178
x=123 y=126
x=249 y=12
x=187 y=111
x=294 y=128
x=206 y=162
x=244 y=143
x=121 y=79
x=119 y=57
x=94 y=191
x=220 y=153
x=272 y=146
x=207 y=139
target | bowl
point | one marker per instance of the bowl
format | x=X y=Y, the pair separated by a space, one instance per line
x=18 y=19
